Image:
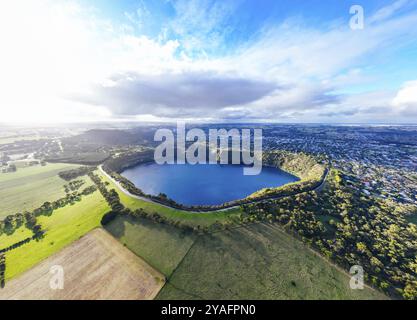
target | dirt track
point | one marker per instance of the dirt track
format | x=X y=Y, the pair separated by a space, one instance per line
x=96 y=267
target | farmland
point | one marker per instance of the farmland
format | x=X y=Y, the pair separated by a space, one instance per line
x=254 y=261
x=259 y=261
x=95 y=267
x=63 y=226
x=28 y=188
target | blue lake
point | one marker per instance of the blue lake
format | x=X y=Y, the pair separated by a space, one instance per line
x=203 y=184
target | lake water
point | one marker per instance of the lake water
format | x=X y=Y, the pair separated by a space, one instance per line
x=203 y=184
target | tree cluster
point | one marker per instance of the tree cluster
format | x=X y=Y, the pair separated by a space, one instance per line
x=351 y=228
x=75 y=173
x=73 y=185
x=2 y=270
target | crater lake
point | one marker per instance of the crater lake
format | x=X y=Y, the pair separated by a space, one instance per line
x=203 y=184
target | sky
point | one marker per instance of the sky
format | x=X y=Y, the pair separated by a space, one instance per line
x=207 y=60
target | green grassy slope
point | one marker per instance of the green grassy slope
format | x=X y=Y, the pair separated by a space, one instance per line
x=28 y=188
x=257 y=262
x=162 y=246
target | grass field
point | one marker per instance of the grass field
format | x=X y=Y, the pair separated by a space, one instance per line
x=18 y=235
x=63 y=227
x=95 y=267
x=28 y=188
x=193 y=219
x=257 y=262
x=162 y=246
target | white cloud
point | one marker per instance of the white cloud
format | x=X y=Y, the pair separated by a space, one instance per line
x=406 y=99
x=55 y=50
x=388 y=11
x=46 y=49
x=184 y=94
x=52 y=49
x=294 y=51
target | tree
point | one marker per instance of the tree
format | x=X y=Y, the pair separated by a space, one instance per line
x=410 y=291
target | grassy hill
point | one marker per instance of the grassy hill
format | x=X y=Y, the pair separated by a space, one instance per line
x=259 y=261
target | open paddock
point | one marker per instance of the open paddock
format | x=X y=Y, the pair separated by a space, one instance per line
x=96 y=267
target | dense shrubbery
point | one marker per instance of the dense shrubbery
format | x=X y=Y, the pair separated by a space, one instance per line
x=84 y=158
x=73 y=185
x=111 y=196
x=360 y=230
x=299 y=164
x=89 y=190
x=13 y=222
x=304 y=166
x=75 y=173
x=2 y=270
x=128 y=160
x=154 y=216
